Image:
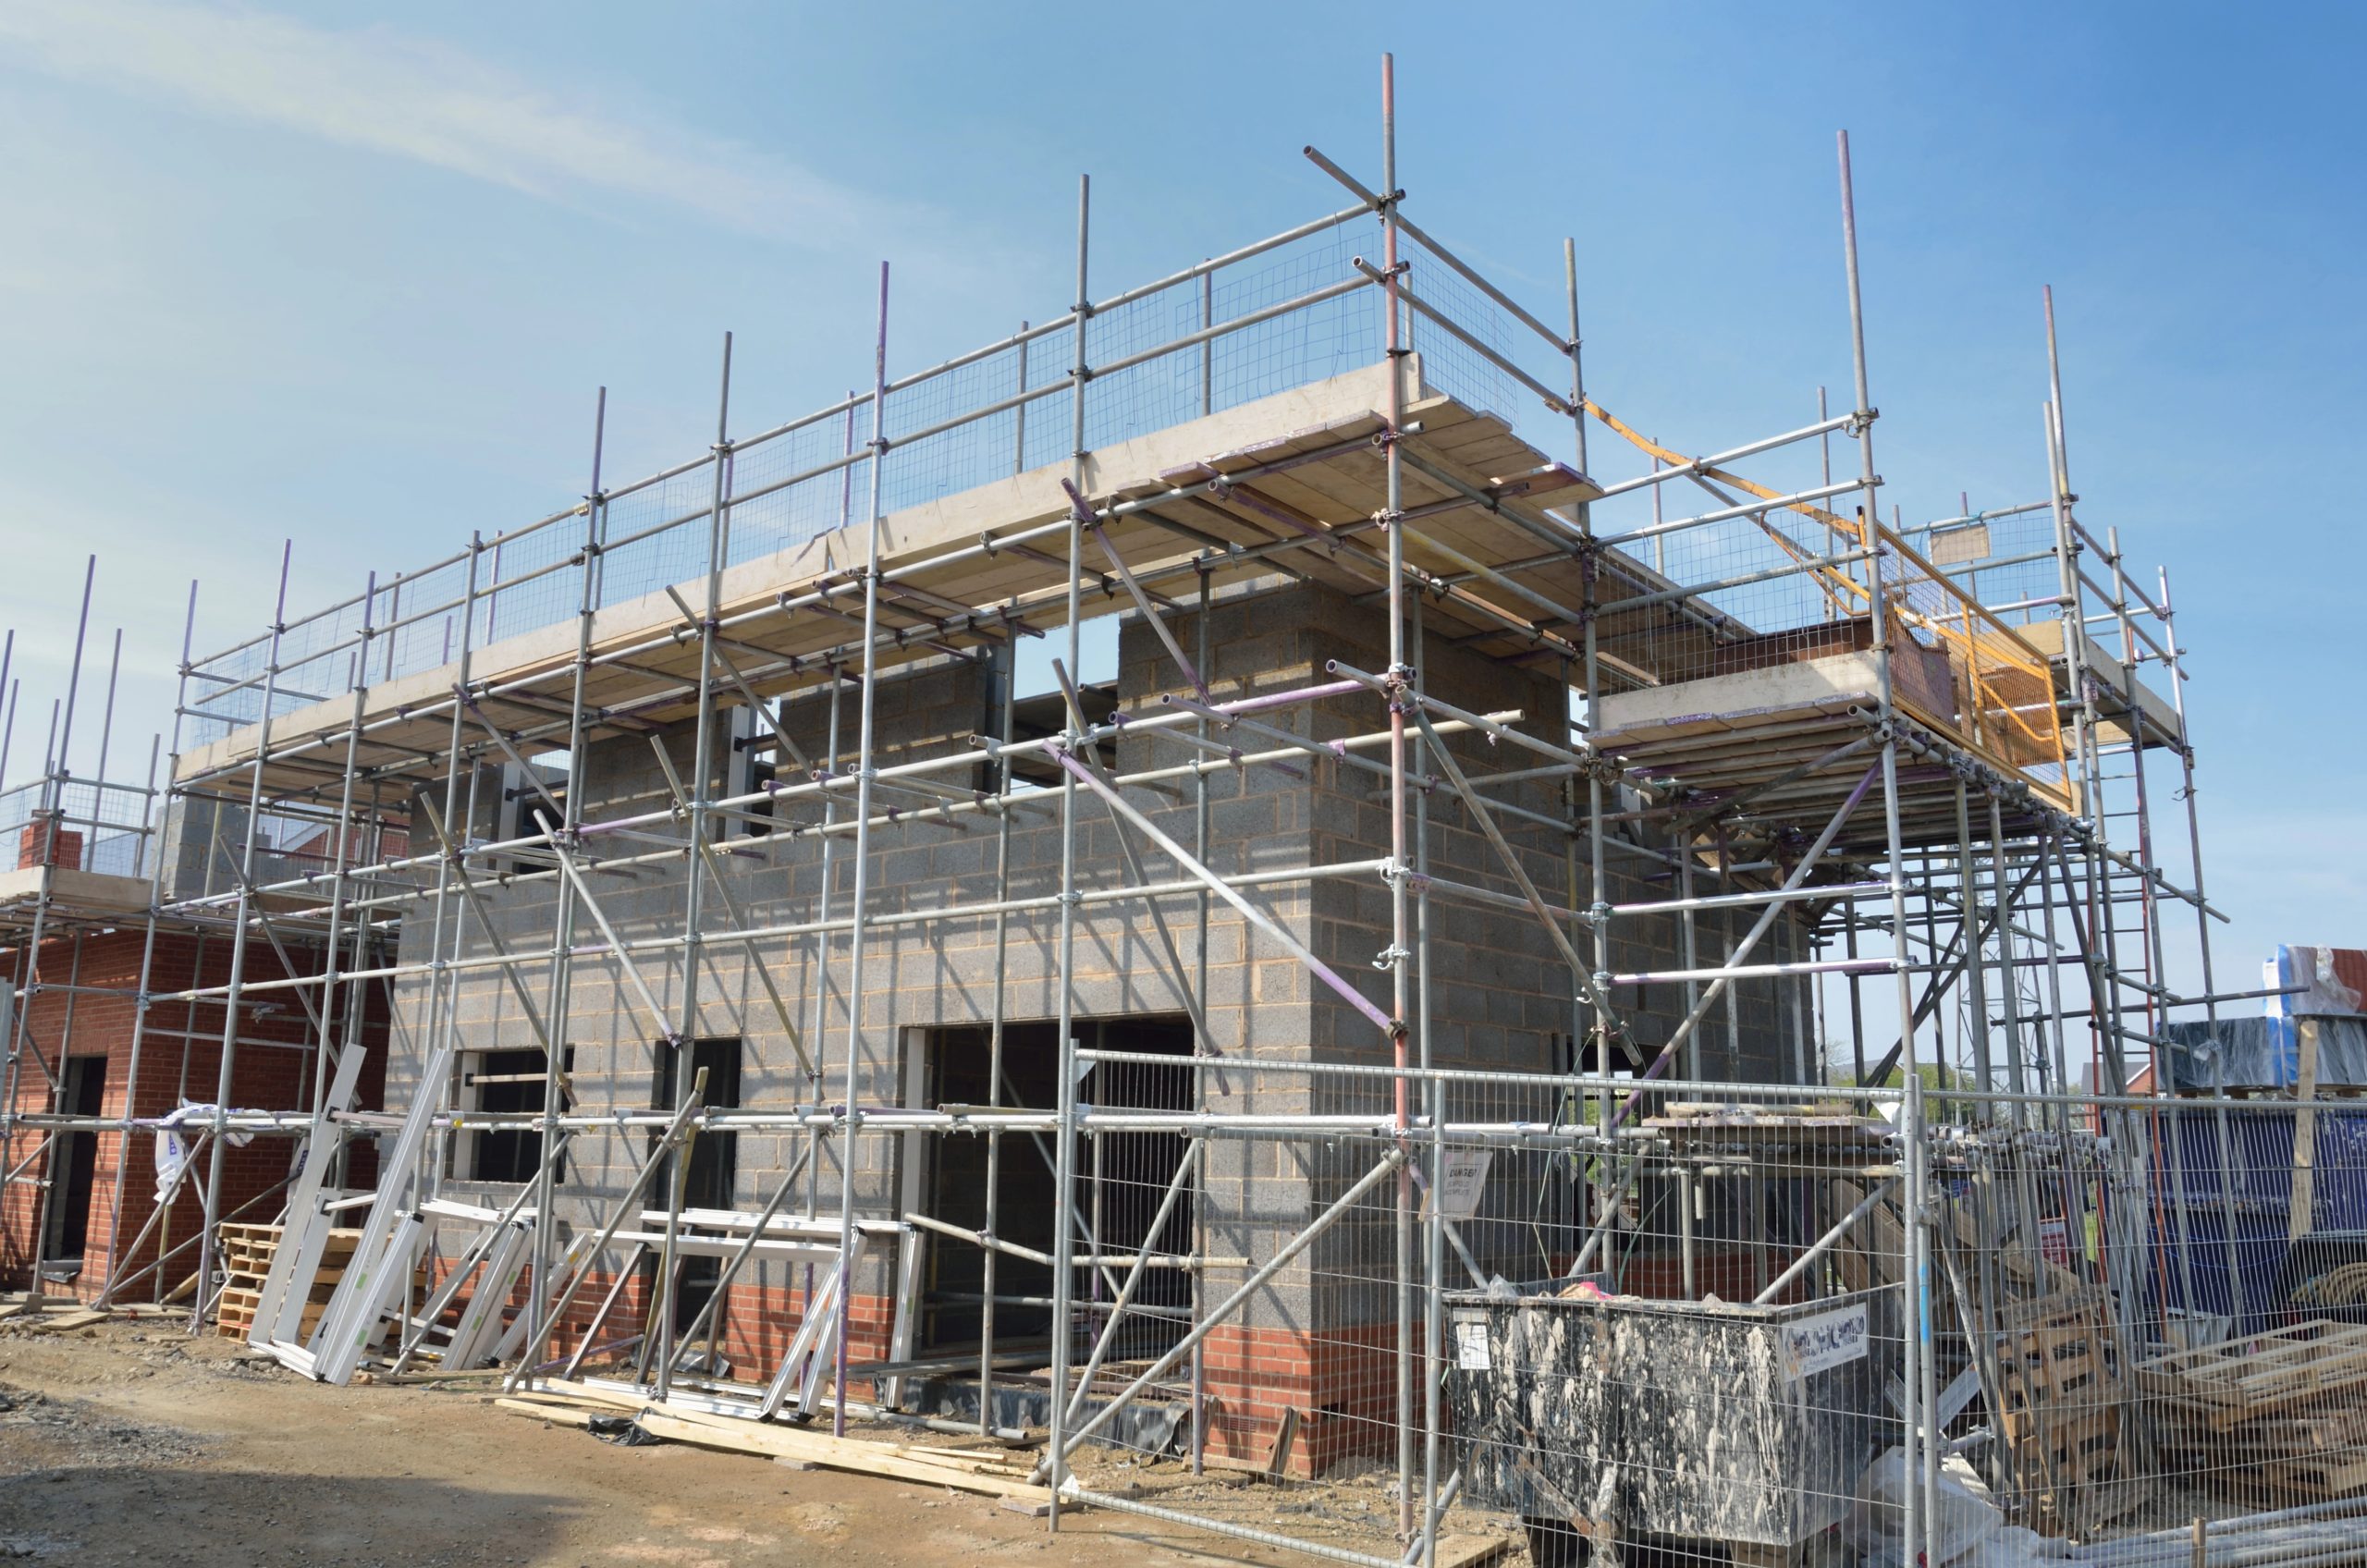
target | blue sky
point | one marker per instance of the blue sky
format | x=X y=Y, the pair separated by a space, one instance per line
x=351 y=275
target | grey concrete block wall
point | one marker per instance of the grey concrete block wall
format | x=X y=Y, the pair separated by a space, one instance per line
x=1501 y=995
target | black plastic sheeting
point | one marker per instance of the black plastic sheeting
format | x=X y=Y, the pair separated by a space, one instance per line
x=622 y=1430
x=2262 y=1053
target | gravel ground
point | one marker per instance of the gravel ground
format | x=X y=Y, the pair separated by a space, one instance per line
x=130 y=1443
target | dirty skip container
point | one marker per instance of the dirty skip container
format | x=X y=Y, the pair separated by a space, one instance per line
x=1636 y=1417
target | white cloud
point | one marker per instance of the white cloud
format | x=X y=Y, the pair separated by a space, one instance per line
x=379 y=89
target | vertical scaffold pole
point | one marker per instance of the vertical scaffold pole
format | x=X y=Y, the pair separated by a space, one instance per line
x=2223 y=1133
x=1916 y=1325
x=2001 y=898
x=1064 y=1157
x=48 y=811
x=2119 y=1233
x=1207 y=1047
x=153 y=853
x=1923 y=1457
x=245 y=915
x=343 y=843
x=1591 y=674
x=74 y=683
x=1975 y=963
x=702 y=789
x=1400 y=866
x=819 y=1136
x=830 y=749
x=1006 y=667
x=864 y=772
x=2089 y=798
x=107 y=733
x=560 y=992
x=1434 y=1228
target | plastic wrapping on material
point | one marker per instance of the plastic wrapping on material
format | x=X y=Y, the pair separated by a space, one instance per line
x=1967 y=1531
x=2320 y=990
x=173 y=1150
x=2335 y=982
x=2262 y=1053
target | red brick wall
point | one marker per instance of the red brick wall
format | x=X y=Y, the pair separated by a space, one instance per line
x=759 y=1322
x=180 y=1056
x=1342 y=1383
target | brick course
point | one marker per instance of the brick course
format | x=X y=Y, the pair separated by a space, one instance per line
x=179 y=1060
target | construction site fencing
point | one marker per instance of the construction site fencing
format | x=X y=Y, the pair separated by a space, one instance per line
x=2006 y=558
x=1757 y=1321
x=1475 y=1335
x=1754 y=1321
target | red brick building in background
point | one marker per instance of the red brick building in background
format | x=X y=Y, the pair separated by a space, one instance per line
x=80 y=1200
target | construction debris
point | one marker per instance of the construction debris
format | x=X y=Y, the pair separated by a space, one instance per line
x=2284 y=1411
x=992 y=1470
x=2062 y=1408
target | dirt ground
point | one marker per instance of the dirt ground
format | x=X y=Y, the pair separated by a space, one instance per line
x=130 y=1443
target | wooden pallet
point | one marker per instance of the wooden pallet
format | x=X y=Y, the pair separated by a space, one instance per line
x=2316 y=1477
x=1874 y=1252
x=2284 y=1411
x=246 y=1253
x=2236 y=1381
x=235 y=1314
x=2063 y=1413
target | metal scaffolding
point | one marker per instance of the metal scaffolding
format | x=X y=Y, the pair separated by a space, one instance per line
x=1945 y=888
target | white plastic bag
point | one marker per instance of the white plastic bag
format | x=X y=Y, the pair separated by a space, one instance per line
x=1968 y=1530
x=1878 y=1516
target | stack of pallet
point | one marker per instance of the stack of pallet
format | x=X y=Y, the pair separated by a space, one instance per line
x=2284 y=1412
x=2062 y=1412
x=246 y=1252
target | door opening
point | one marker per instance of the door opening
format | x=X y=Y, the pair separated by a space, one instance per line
x=76 y=1161
x=1120 y=1179
x=714 y=1169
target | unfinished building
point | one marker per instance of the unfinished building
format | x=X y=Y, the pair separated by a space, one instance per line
x=86 y=1214
x=1481 y=904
